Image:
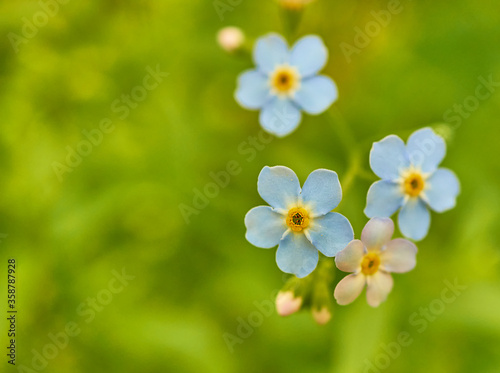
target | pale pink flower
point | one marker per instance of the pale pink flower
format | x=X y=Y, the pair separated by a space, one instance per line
x=371 y=260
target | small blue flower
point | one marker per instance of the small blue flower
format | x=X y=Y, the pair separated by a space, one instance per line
x=411 y=180
x=286 y=82
x=299 y=221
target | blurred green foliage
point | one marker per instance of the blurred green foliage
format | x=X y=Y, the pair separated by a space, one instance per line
x=119 y=207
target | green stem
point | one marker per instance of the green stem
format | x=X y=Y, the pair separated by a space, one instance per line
x=291 y=21
x=352 y=171
x=342 y=128
x=367 y=175
x=326 y=269
x=349 y=142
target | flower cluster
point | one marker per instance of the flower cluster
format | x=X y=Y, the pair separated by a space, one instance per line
x=300 y=220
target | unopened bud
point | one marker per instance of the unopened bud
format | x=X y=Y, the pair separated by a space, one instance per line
x=294 y=4
x=287 y=303
x=445 y=131
x=321 y=316
x=230 y=38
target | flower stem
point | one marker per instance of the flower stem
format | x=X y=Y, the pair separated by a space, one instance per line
x=342 y=128
x=291 y=20
x=352 y=171
x=349 y=142
x=326 y=269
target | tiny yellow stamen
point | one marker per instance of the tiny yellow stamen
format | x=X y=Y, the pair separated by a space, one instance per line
x=370 y=263
x=413 y=184
x=297 y=219
x=285 y=80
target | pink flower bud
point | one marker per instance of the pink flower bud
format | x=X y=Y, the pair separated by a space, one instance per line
x=321 y=316
x=230 y=38
x=286 y=303
x=294 y=4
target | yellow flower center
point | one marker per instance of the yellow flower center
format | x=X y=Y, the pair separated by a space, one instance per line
x=285 y=80
x=297 y=219
x=413 y=184
x=370 y=263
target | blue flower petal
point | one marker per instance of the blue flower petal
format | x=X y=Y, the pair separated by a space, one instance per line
x=321 y=192
x=280 y=117
x=265 y=227
x=443 y=190
x=279 y=186
x=296 y=255
x=388 y=157
x=253 y=89
x=426 y=149
x=309 y=55
x=383 y=199
x=269 y=51
x=316 y=94
x=414 y=219
x=330 y=233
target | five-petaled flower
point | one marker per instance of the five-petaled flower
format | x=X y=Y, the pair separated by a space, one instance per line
x=372 y=259
x=286 y=82
x=299 y=220
x=411 y=180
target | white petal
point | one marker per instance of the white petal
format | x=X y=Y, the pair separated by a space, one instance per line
x=349 y=288
x=399 y=256
x=377 y=232
x=379 y=286
x=349 y=259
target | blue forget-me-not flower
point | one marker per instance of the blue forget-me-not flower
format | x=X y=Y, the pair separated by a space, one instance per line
x=411 y=181
x=299 y=220
x=286 y=82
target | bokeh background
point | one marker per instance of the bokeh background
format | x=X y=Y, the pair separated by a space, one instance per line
x=119 y=208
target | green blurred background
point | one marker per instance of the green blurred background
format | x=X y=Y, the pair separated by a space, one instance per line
x=119 y=208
